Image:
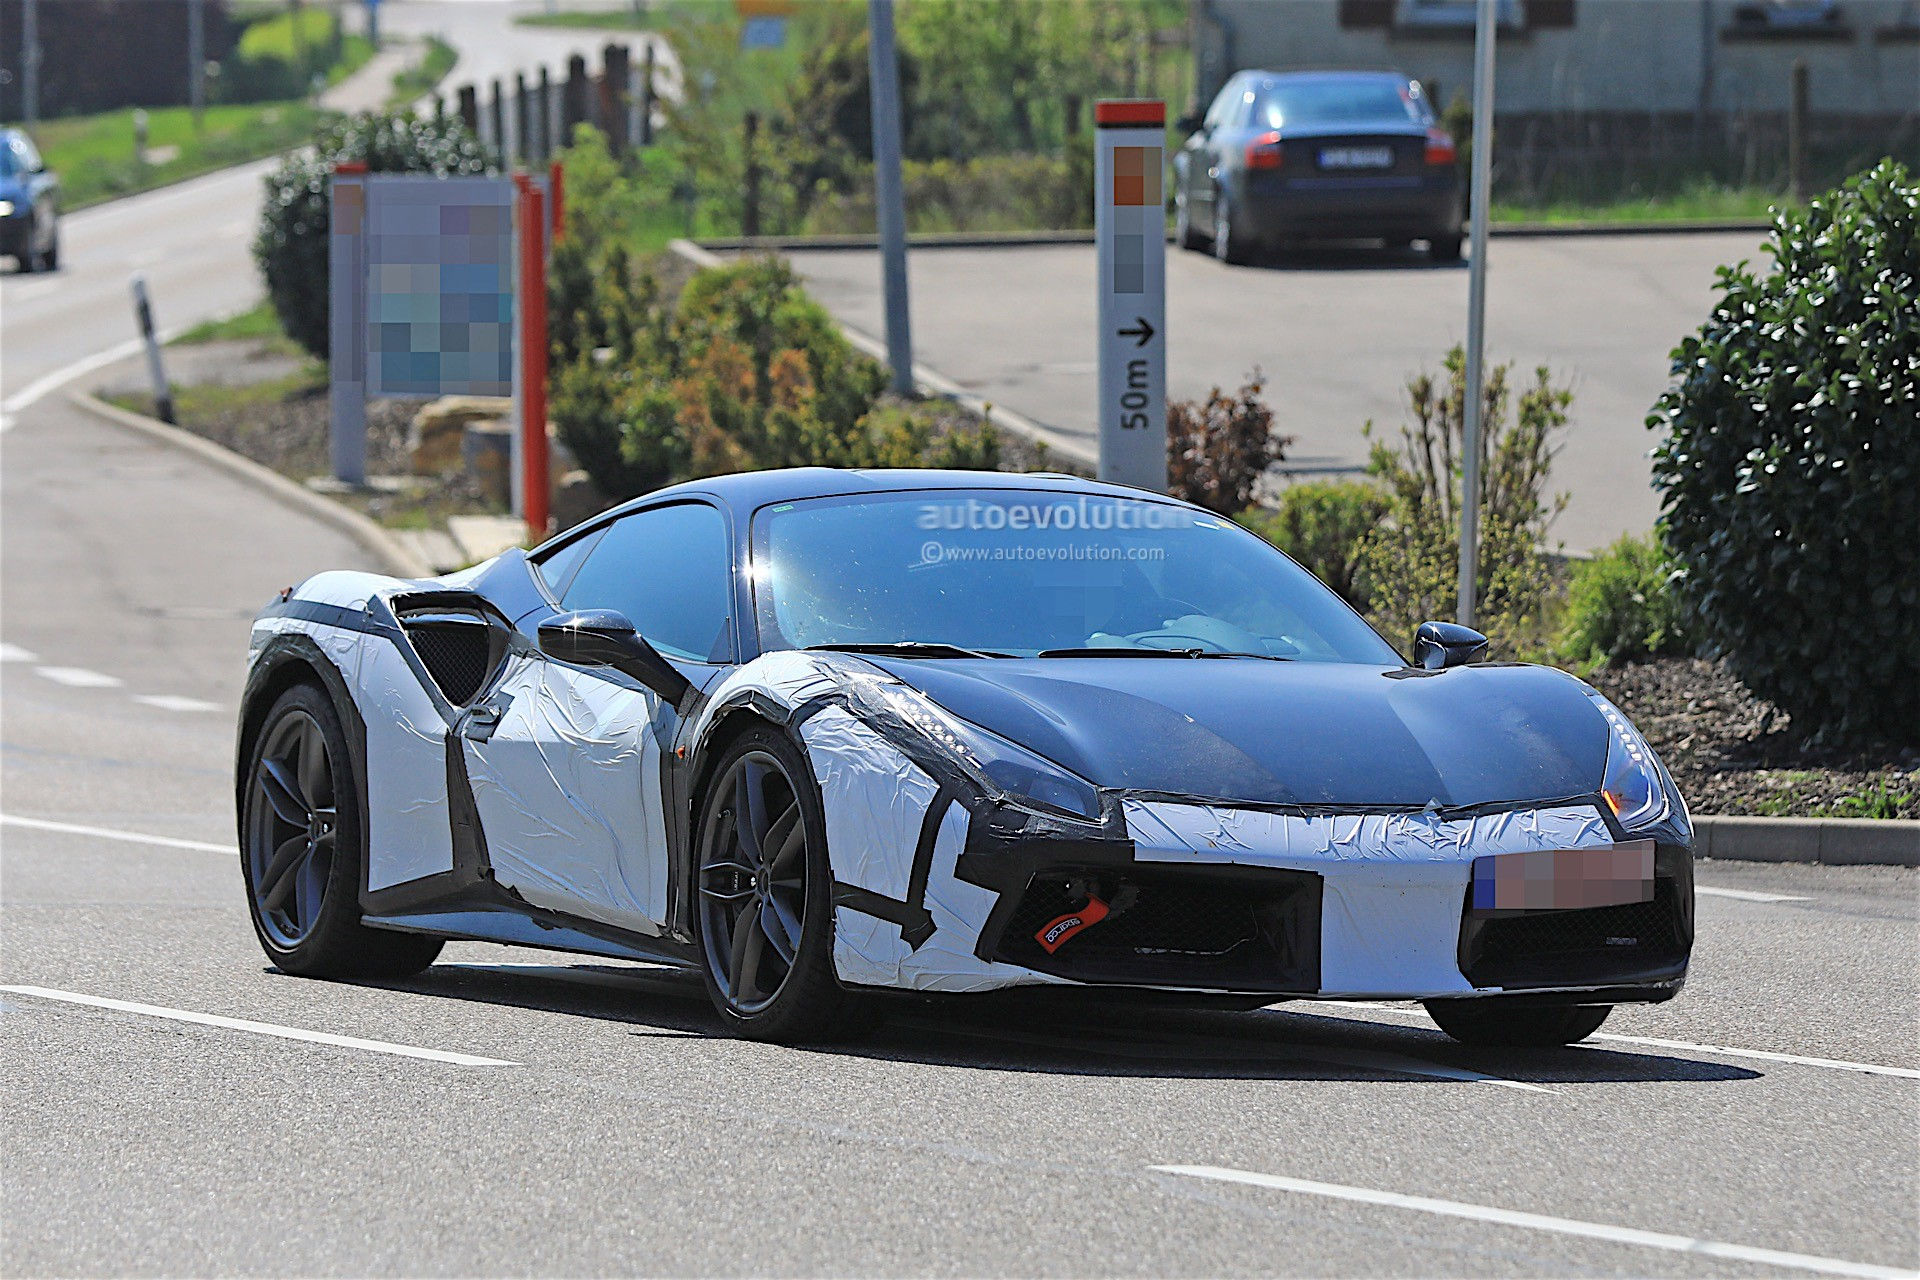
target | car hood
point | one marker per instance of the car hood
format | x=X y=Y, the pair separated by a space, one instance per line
x=1286 y=732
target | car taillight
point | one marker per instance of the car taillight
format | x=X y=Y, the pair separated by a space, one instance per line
x=1264 y=152
x=1439 y=147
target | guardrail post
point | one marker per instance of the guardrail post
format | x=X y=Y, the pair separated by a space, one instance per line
x=156 y=368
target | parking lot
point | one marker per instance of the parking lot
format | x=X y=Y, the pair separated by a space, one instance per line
x=1337 y=332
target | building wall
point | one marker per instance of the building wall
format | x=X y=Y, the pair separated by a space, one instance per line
x=1611 y=56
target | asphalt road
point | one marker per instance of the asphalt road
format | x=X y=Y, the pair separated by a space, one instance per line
x=1774 y=1106
x=1337 y=334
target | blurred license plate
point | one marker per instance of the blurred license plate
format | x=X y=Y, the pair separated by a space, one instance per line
x=1563 y=879
x=1356 y=157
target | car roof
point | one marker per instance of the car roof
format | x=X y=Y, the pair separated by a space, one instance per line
x=747 y=491
x=1332 y=74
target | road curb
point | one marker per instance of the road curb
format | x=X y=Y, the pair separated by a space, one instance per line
x=930 y=381
x=1840 y=842
x=372 y=538
x=1014 y=239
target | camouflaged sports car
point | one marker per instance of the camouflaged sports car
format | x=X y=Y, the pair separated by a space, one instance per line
x=821 y=734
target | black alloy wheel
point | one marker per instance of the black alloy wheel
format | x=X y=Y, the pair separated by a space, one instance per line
x=295 y=828
x=765 y=912
x=300 y=829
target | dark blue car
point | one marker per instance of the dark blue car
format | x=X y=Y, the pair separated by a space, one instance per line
x=29 y=205
x=1283 y=157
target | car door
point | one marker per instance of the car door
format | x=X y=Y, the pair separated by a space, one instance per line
x=566 y=762
x=1200 y=166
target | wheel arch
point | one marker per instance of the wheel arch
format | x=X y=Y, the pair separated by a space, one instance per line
x=293 y=658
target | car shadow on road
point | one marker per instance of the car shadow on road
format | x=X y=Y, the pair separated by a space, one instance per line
x=1039 y=1032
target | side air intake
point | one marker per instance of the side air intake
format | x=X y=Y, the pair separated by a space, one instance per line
x=459 y=650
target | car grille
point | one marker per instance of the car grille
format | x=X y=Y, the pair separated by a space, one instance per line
x=1256 y=932
x=1563 y=948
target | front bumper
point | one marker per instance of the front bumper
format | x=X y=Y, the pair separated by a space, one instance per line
x=941 y=884
x=16 y=235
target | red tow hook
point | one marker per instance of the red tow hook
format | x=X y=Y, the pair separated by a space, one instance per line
x=1061 y=930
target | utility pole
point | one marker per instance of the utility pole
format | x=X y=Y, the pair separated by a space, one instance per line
x=197 y=58
x=30 y=61
x=1485 y=19
x=889 y=197
x=1797 y=133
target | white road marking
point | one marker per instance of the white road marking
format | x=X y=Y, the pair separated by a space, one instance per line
x=79 y=677
x=174 y=702
x=1748 y=895
x=262 y=1028
x=14 y=653
x=108 y=833
x=1717 y=1050
x=1832 y=1064
x=61 y=377
x=1543 y=1222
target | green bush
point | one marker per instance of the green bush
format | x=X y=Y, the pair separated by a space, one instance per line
x=1218 y=448
x=1321 y=524
x=1411 y=561
x=1790 y=464
x=1621 y=605
x=291 y=246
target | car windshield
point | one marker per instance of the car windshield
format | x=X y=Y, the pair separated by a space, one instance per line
x=1026 y=573
x=1356 y=101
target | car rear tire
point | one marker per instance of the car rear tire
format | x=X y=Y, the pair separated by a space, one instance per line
x=1444 y=248
x=764 y=910
x=1496 y=1022
x=301 y=853
x=1228 y=246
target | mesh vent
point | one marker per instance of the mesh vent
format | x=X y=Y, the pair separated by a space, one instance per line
x=457 y=654
x=1550 y=946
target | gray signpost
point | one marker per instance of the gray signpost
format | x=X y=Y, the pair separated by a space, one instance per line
x=1131 y=246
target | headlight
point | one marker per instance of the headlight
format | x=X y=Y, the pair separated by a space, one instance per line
x=6 y=208
x=1006 y=766
x=1633 y=786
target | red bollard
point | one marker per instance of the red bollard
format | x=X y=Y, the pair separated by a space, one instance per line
x=536 y=484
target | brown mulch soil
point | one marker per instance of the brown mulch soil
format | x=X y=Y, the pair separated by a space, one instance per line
x=290 y=435
x=1732 y=753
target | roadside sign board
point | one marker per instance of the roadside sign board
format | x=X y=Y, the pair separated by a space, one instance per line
x=1130 y=234
x=422 y=295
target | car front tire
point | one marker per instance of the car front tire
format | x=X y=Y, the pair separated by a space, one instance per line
x=301 y=853
x=1183 y=233
x=764 y=912
x=1496 y=1022
x=1444 y=248
x=1228 y=245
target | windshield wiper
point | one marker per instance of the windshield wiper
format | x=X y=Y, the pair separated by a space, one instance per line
x=1118 y=652
x=909 y=649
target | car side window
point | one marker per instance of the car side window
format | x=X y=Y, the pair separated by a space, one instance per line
x=29 y=158
x=556 y=570
x=1222 y=103
x=669 y=570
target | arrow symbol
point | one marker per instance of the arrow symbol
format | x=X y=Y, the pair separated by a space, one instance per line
x=1140 y=332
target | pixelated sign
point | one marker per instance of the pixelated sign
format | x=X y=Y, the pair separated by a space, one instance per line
x=1130 y=238
x=422 y=289
x=440 y=259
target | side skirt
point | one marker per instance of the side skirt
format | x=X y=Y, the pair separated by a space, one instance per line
x=515 y=928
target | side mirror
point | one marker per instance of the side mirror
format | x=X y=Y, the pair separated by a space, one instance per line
x=604 y=638
x=1439 y=645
